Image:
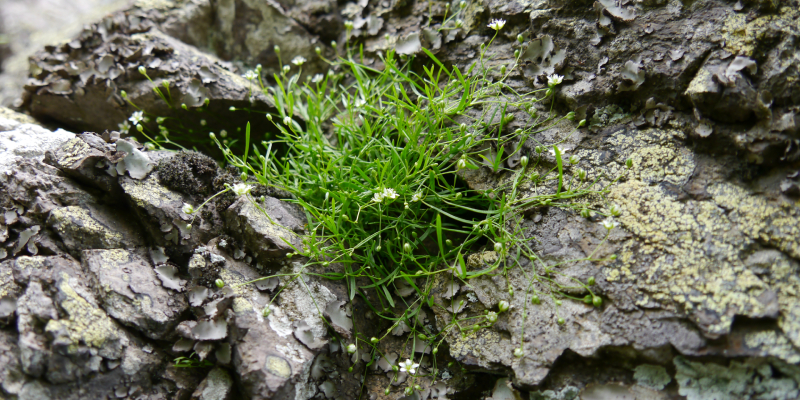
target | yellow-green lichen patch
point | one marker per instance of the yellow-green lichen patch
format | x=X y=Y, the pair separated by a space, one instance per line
x=77 y=224
x=85 y=324
x=741 y=35
x=687 y=255
x=72 y=152
x=475 y=344
x=771 y=343
x=772 y=224
x=149 y=193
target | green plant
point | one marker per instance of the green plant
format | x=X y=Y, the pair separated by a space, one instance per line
x=192 y=362
x=376 y=158
x=374 y=155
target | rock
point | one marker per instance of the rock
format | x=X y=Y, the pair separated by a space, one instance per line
x=127 y=285
x=22 y=138
x=262 y=229
x=93 y=226
x=218 y=385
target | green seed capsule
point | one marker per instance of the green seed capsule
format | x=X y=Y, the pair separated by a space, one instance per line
x=561 y=321
x=535 y=299
x=590 y=281
x=597 y=301
x=220 y=283
x=587 y=299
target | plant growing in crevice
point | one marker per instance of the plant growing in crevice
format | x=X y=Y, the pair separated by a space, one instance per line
x=377 y=163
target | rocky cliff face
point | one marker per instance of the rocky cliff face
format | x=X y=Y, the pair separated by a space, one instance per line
x=105 y=284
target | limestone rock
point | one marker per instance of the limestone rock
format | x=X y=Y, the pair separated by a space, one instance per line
x=127 y=285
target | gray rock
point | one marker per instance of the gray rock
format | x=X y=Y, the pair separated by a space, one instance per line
x=261 y=229
x=93 y=226
x=130 y=292
x=218 y=385
x=25 y=139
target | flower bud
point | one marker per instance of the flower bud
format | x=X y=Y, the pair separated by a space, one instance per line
x=183 y=106
x=265 y=313
x=523 y=161
x=351 y=348
x=498 y=247
x=139 y=127
x=518 y=352
x=558 y=302
x=462 y=4
x=581 y=174
x=211 y=135
x=520 y=39
x=142 y=70
x=318 y=50
x=348 y=25
x=277 y=49
x=574 y=159
x=502 y=69
x=561 y=321
x=539 y=149
x=585 y=213
x=124 y=94
x=502 y=306
x=491 y=317
x=597 y=301
x=582 y=123
x=461 y=164
x=587 y=299
x=407 y=247
x=516 y=54
x=459 y=23
x=449 y=243
x=244 y=177
x=629 y=163
x=220 y=283
x=258 y=67
x=590 y=281
x=535 y=299
x=458 y=196
x=333 y=44
x=373 y=340
x=571 y=115
x=435 y=350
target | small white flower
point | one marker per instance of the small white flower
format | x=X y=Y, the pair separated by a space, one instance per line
x=137 y=117
x=250 y=75
x=359 y=102
x=286 y=68
x=377 y=197
x=187 y=208
x=317 y=78
x=497 y=24
x=491 y=317
x=389 y=193
x=242 y=189
x=124 y=127
x=351 y=348
x=609 y=223
x=502 y=305
x=299 y=60
x=615 y=210
x=287 y=120
x=554 y=80
x=409 y=366
x=416 y=197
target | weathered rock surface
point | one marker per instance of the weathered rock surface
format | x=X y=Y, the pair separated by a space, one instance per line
x=701 y=301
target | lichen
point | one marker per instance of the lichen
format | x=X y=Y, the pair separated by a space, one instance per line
x=652 y=376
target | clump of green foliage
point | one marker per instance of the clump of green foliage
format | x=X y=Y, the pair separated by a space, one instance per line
x=376 y=156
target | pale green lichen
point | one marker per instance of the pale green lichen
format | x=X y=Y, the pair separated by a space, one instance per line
x=149 y=193
x=652 y=376
x=748 y=380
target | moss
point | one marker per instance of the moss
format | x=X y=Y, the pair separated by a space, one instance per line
x=652 y=376
x=188 y=172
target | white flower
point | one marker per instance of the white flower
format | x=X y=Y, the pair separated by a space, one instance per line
x=287 y=120
x=299 y=60
x=286 y=68
x=416 y=197
x=250 y=75
x=409 y=366
x=241 y=189
x=389 y=194
x=359 y=102
x=187 y=208
x=377 y=197
x=351 y=348
x=124 y=127
x=554 y=80
x=491 y=317
x=609 y=223
x=317 y=78
x=137 y=117
x=497 y=24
